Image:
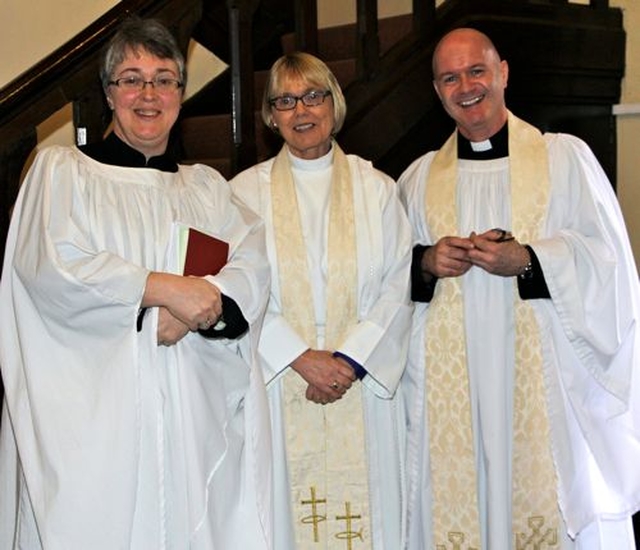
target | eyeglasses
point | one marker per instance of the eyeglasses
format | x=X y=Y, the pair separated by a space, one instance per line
x=160 y=84
x=288 y=102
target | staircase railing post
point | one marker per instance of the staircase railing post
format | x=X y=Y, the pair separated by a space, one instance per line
x=368 y=43
x=89 y=116
x=424 y=17
x=242 y=102
x=306 y=25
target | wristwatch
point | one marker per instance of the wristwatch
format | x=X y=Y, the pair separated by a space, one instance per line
x=527 y=270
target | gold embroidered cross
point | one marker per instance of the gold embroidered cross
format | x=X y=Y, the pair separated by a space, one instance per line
x=537 y=538
x=314 y=518
x=349 y=535
x=457 y=539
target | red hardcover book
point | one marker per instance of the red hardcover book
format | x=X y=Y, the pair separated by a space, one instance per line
x=205 y=255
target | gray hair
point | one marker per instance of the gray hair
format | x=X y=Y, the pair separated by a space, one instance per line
x=307 y=68
x=136 y=34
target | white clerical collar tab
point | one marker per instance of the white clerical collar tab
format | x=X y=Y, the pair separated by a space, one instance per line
x=479 y=146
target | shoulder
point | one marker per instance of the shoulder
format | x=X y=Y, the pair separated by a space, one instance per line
x=570 y=152
x=255 y=173
x=574 y=167
x=419 y=165
x=56 y=163
x=364 y=168
x=248 y=183
x=566 y=143
x=201 y=172
x=55 y=154
x=414 y=176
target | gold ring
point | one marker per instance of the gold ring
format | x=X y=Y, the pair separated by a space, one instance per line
x=335 y=385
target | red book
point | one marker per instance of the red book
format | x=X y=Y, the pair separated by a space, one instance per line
x=205 y=255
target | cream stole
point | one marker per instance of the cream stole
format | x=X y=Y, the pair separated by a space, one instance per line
x=535 y=515
x=326 y=448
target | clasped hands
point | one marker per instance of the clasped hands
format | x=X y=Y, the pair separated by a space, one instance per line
x=328 y=377
x=185 y=304
x=496 y=251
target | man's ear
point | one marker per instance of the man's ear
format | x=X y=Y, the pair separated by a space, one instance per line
x=435 y=87
x=504 y=70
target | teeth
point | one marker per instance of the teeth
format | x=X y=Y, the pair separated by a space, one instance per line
x=303 y=126
x=471 y=101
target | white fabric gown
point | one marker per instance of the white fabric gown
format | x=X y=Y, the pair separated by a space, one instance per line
x=590 y=348
x=378 y=342
x=109 y=441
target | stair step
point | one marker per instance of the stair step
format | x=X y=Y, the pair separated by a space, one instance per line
x=340 y=42
x=210 y=137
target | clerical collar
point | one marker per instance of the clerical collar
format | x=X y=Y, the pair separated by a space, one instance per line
x=112 y=150
x=497 y=146
x=312 y=165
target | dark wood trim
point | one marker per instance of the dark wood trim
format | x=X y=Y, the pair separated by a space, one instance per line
x=306 y=25
x=367 y=43
x=242 y=96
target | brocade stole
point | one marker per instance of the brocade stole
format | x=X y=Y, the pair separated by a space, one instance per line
x=326 y=448
x=535 y=514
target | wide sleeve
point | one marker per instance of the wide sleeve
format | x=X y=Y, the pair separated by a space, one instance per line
x=588 y=265
x=379 y=341
x=60 y=257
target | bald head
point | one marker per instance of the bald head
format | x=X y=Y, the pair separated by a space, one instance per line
x=470 y=79
x=478 y=39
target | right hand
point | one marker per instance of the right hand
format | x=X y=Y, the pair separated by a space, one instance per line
x=447 y=258
x=192 y=300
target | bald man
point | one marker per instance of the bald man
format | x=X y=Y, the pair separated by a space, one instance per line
x=523 y=407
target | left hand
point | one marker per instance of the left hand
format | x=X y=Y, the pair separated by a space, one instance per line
x=328 y=377
x=496 y=255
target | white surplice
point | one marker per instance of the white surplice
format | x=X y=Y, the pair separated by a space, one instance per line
x=378 y=341
x=109 y=441
x=589 y=344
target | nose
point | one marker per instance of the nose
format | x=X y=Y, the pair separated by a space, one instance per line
x=148 y=88
x=300 y=105
x=465 y=82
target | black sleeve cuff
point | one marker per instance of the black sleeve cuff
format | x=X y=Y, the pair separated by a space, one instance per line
x=420 y=291
x=533 y=287
x=233 y=324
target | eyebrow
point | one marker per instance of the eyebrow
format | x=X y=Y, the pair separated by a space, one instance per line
x=140 y=72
